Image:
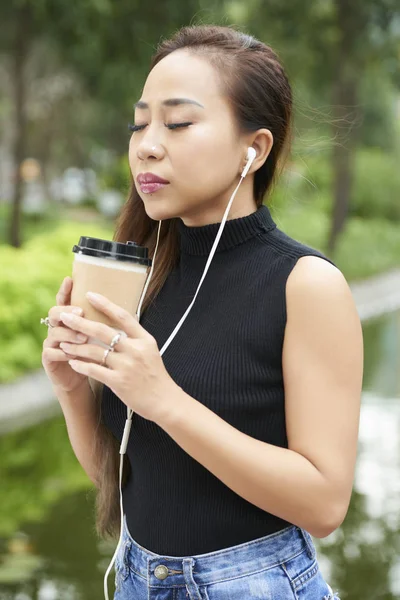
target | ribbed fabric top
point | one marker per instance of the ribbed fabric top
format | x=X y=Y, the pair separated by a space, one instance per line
x=228 y=356
x=199 y=240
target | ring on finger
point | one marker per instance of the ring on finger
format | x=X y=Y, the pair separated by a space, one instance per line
x=112 y=345
x=106 y=353
x=46 y=321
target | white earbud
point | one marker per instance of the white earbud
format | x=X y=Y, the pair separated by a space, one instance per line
x=251 y=154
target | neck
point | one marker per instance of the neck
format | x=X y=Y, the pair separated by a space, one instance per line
x=200 y=239
x=213 y=211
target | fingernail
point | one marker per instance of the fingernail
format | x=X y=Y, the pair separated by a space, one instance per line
x=93 y=296
x=77 y=311
x=66 y=316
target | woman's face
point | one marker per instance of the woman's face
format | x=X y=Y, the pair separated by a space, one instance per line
x=201 y=160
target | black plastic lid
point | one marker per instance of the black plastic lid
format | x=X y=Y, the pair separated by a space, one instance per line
x=129 y=252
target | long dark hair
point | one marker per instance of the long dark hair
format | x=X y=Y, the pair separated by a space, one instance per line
x=256 y=85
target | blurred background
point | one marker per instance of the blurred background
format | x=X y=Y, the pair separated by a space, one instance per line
x=69 y=75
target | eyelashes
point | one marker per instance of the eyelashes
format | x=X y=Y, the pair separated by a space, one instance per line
x=133 y=128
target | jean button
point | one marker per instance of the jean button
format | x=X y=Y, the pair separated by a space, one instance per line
x=161 y=572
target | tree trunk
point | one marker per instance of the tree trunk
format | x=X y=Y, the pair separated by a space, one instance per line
x=342 y=158
x=19 y=86
x=346 y=116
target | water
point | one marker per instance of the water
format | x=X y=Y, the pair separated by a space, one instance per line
x=49 y=550
x=362 y=557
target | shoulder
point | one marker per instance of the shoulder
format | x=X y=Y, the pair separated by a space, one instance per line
x=319 y=299
x=315 y=276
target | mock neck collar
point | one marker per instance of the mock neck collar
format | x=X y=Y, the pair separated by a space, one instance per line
x=199 y=239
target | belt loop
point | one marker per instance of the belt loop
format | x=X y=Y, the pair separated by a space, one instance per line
x=123 y=558
x=311 y=551
x=127 y=548
x=192 y=587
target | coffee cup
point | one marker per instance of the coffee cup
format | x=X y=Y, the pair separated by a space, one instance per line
x=116 y=270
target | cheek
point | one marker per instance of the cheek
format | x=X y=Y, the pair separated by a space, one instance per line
x=206 y=157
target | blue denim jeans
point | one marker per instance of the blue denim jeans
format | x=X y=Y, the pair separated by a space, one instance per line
x=279 y=566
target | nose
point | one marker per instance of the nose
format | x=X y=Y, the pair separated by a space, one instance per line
x=147 y=148
x=149 y=142
x=146 y=151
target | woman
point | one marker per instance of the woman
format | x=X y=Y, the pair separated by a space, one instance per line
x=254 y=450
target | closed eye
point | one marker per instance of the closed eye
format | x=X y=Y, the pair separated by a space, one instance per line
x=132 y=127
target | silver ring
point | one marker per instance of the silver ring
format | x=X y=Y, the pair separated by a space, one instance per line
x=111 y=347
x=46 y=321
x=117 y=338
x=106 y=353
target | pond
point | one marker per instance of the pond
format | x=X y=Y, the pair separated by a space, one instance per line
x=49 y=549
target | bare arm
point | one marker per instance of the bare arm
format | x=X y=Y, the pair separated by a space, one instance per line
x=309 y=483
x=80 y=414
x=323 y=371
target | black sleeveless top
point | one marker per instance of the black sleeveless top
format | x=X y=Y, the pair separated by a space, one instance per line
x=227 y=355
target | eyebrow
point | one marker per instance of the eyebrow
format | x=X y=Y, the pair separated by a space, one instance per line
x=169 y=102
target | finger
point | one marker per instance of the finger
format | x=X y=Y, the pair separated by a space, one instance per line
x=64 y=293
x=122 y=318
x=90 y=351
x=92 y=370
x=55 y=355
x=54 y=313
x=102 y=332
x=64 y=334
x=58 y=355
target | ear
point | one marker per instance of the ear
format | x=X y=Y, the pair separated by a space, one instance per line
x=262 y=142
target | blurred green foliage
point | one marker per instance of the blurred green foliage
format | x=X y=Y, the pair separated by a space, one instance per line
x=117 y=175
x=376 y=190
x=375 y=193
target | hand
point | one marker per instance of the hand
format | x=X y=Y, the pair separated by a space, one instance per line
x=135 y=371
x=54 y=360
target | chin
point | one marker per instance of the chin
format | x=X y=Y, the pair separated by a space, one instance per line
x=156 y=211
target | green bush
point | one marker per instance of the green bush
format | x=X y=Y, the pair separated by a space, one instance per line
x=29 y=281
x=117 y=175
x=376 y=191
x=366 y=247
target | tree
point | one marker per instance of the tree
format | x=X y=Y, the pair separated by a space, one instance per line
x=107 y=44
x=18 y=28
x=329 y=45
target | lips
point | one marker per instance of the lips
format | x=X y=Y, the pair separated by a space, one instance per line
x=150 y=178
